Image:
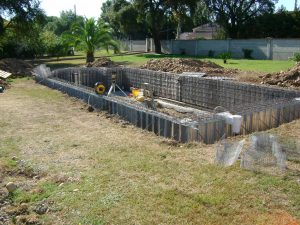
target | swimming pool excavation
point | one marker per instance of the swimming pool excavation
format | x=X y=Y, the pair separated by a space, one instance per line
x=183 y=105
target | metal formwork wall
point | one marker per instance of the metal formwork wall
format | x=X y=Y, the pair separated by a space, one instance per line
x=163 y=84
x=267 y=116
x=207 y=131
x=210 y=93
x=83 y=76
